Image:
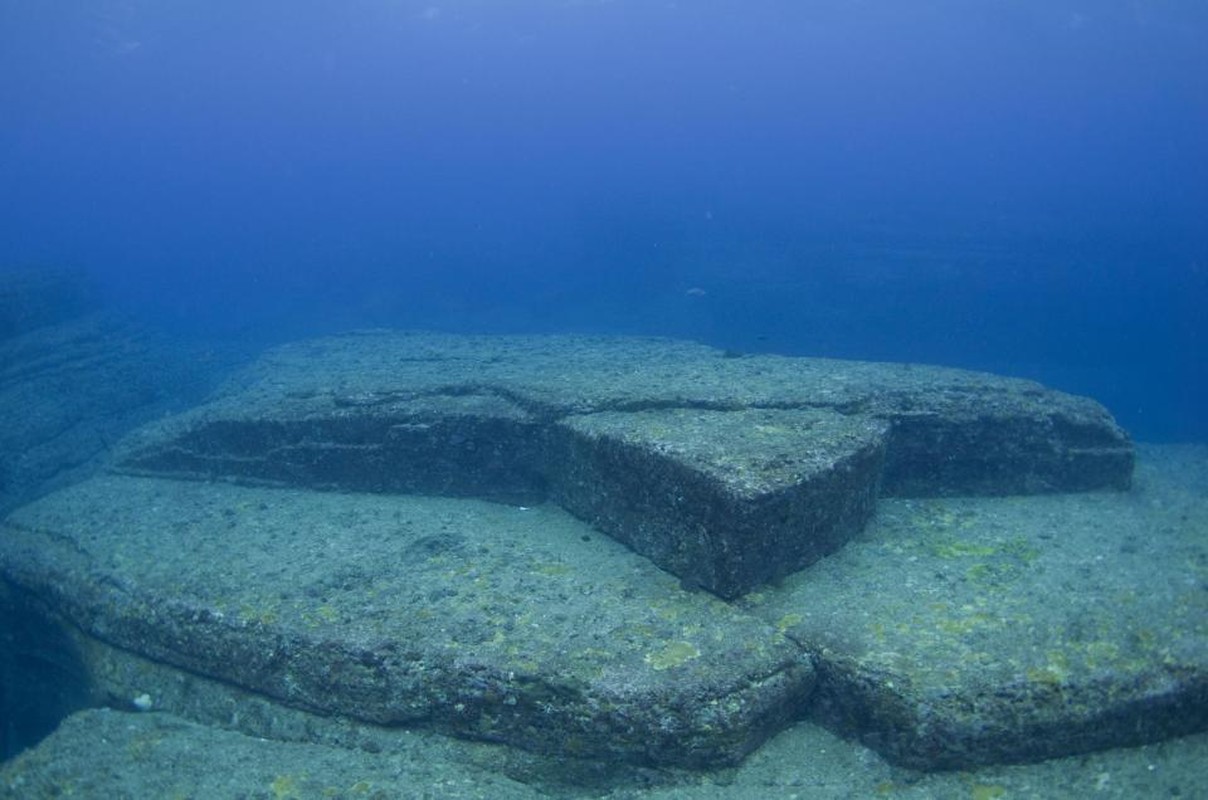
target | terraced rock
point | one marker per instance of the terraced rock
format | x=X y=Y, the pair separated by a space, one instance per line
x=755 y=468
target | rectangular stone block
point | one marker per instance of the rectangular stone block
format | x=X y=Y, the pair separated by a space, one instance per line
x=726 y=500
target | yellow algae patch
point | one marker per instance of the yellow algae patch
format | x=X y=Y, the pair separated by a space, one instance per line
x=673 y=655
x=956 y=548
x=788 y=621
x=772 y=430
x=552 y=570
x=284 y=787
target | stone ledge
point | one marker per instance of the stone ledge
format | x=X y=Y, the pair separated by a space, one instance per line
x=459 y=616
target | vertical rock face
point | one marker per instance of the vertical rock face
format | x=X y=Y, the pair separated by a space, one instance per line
x=458 y=445
x=1065 y=444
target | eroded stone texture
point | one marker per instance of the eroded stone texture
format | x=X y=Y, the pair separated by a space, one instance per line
x=1005 y=445
x=159 y=755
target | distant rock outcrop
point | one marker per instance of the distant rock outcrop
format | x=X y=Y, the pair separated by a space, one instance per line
x=35 y=298
x=75 y=379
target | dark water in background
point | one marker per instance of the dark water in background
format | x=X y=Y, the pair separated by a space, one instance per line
x=1021 y=187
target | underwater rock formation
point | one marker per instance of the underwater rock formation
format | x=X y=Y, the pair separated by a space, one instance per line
x=387 y=529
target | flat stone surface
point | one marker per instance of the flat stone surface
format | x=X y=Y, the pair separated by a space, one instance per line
x=519 y=419
x=503 y=623
x=109 y=754
x=980 y=630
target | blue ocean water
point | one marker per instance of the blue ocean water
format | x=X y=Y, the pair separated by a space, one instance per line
x=1020 y=187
